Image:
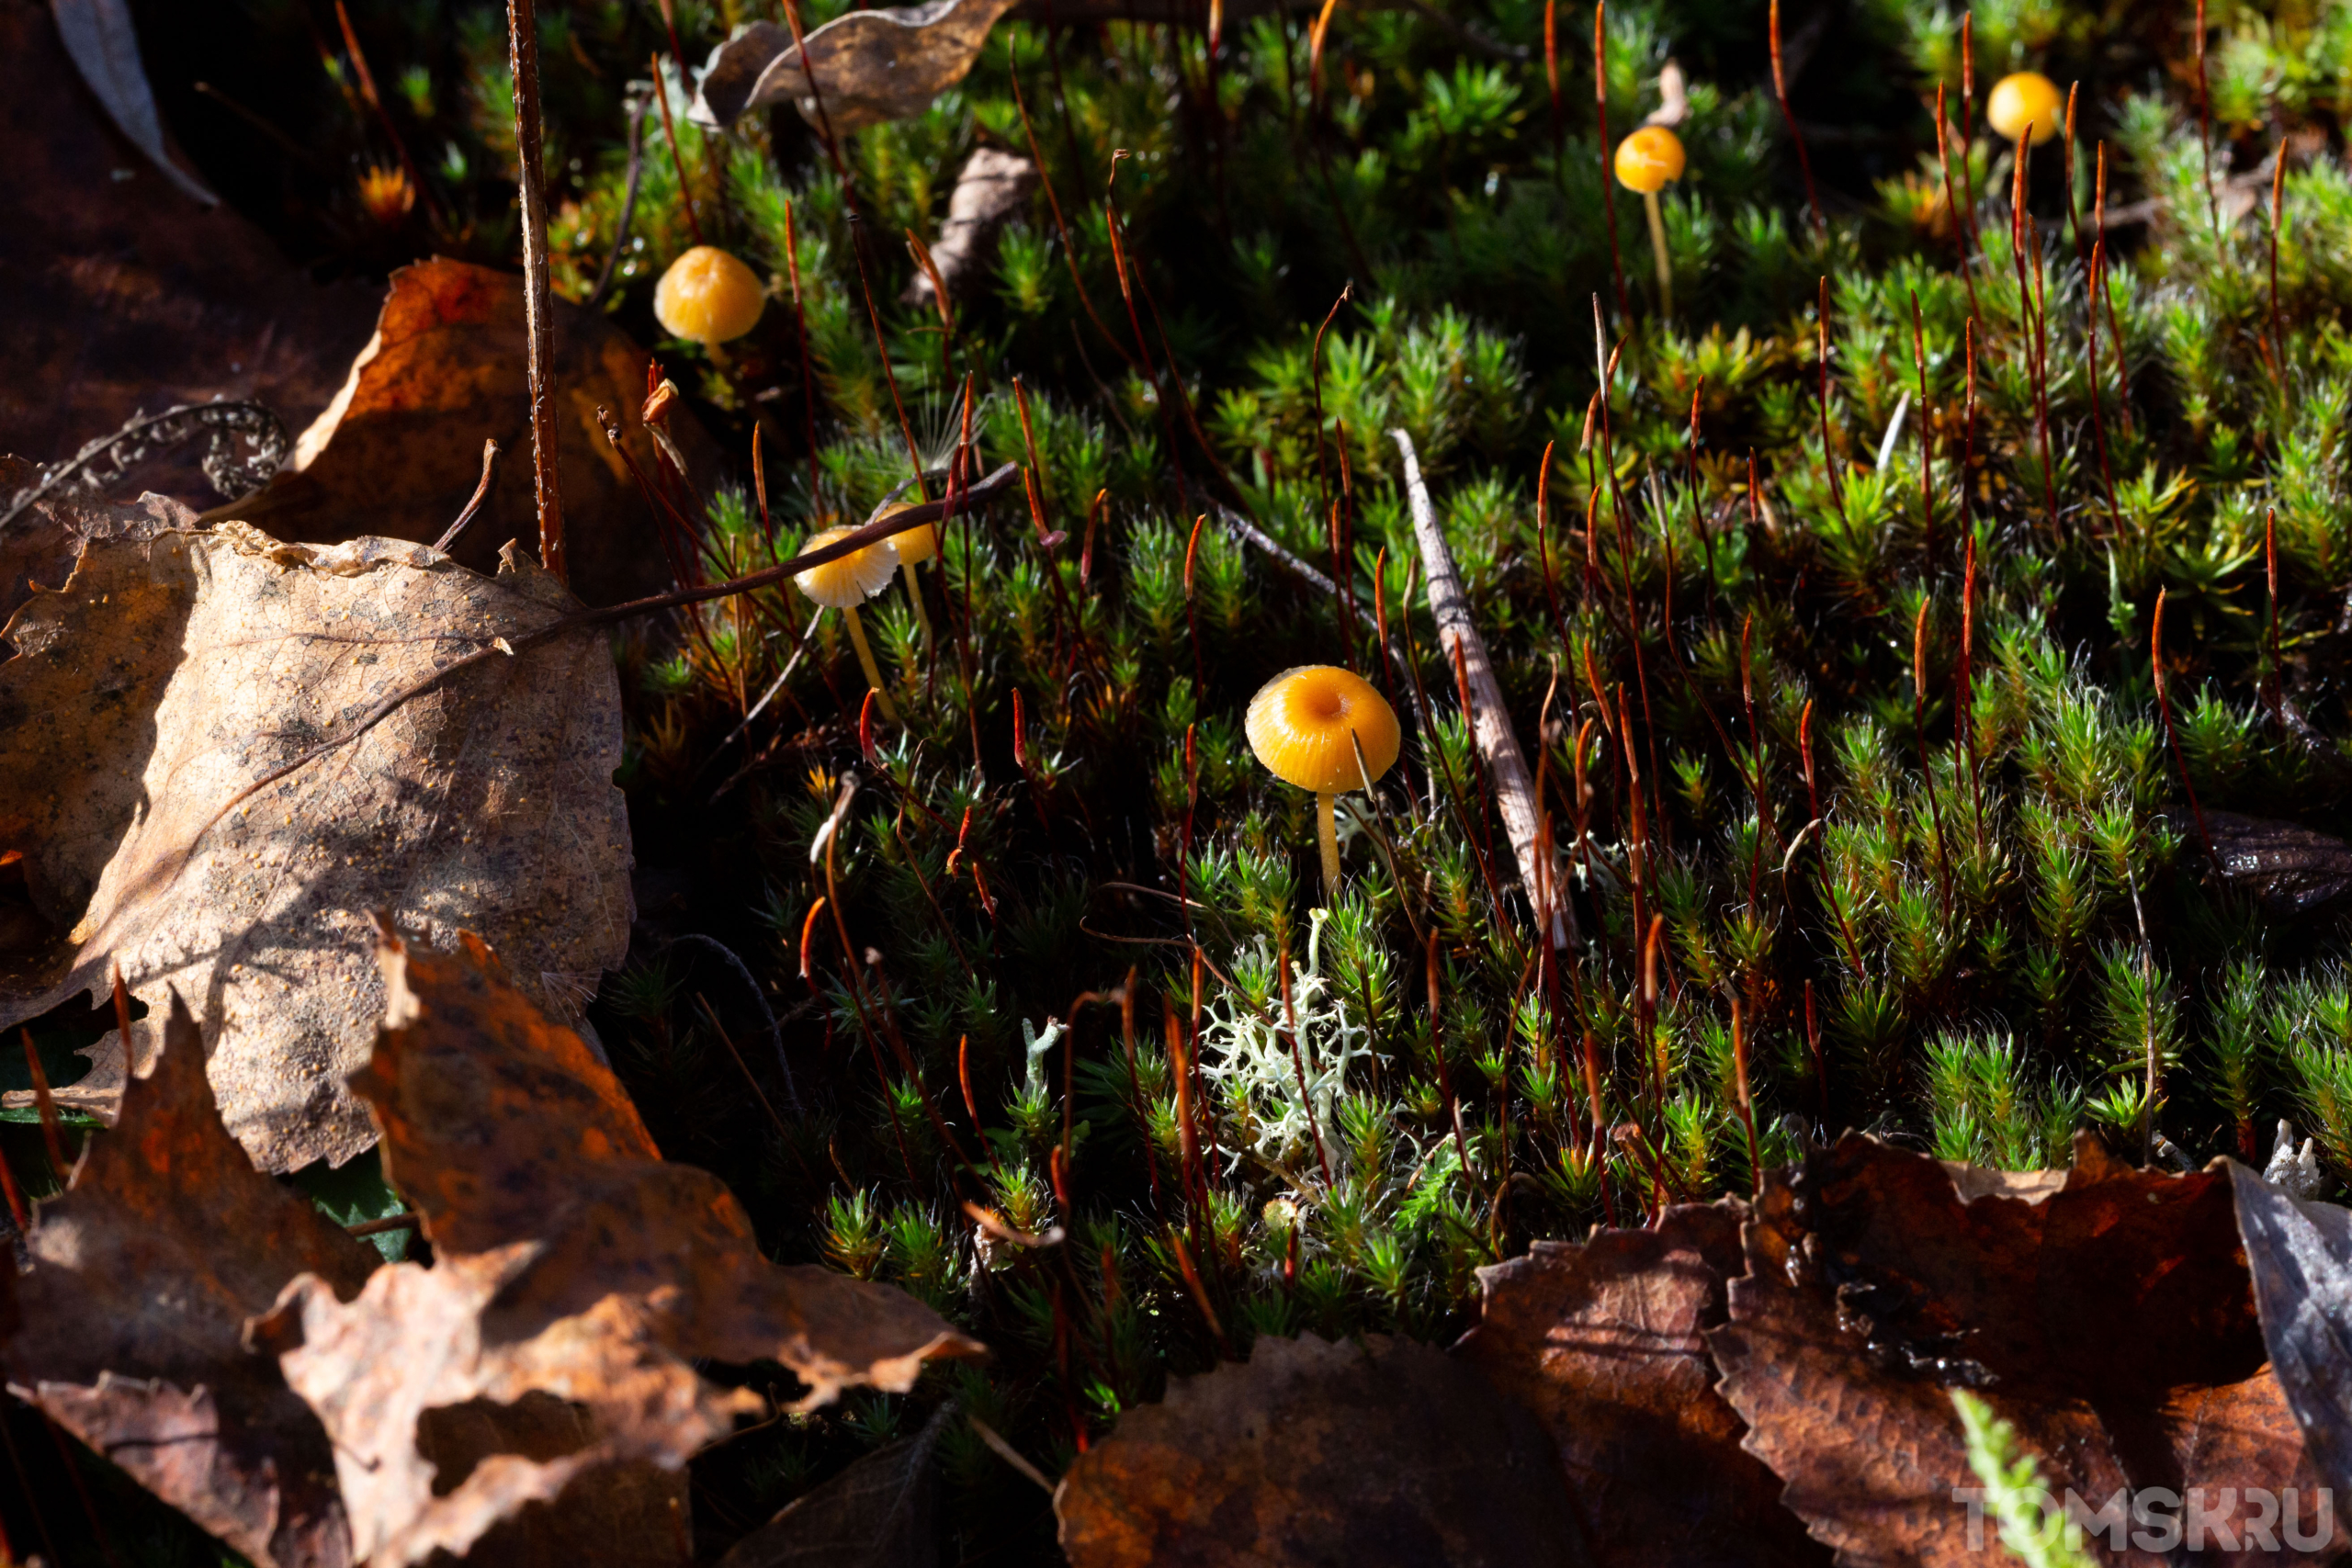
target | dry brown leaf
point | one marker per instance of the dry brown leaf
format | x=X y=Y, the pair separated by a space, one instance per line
x=398 y=452
x=169 y=676
x=125 y=293
x=2288 y=869
x=2112 y=1321
x=128 y=1321
x=2301 y=1256
x=871 y=66
x=573 y=1271
x=991 y=187
x=1381 y=1452
x=1605 y=1343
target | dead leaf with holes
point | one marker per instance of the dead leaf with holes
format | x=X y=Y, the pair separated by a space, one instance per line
x=870 y=66
x=1605 y=1342
x=574 y=1272
x=127 y=1327
x=171 y=677
x=2111 y=1320
x=1382 y=1451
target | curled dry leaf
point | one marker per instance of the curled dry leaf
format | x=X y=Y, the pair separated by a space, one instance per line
x=169 y=677
x=574 y=1270
x=1605 y=1343
x=127 y=1324
x=2288 y=869
x=991 y=187
x=871 y=66
x=398 y=451
x=125 y=293
x=2112 y=1321
x=2299 y=1254
x=1378 y=1452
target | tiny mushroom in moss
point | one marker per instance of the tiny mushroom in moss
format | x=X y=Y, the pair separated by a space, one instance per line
x=846 y=584
x=1305 y=725
x=2021 y=104
x=707 y=297
x=1649 y=161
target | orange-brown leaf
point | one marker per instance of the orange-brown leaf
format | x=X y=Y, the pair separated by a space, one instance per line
x=128 y=1323
x=1605 y=1342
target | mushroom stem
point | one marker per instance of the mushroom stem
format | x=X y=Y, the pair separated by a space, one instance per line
x=866 y=662
x=914 y=591
x=1327 y=830
x=1657 y=248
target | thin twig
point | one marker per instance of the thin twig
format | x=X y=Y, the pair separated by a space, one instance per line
x=1491 y=720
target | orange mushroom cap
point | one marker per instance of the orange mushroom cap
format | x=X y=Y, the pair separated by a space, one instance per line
x=1299 y=723
x=708 y=297
x=851 y=581
x=1649 y=160
x=2025 y=101
x=915 y=545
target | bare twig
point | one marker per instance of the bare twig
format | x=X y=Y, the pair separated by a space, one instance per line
x=523 y=55
x=474 y=506
x=1490 y=721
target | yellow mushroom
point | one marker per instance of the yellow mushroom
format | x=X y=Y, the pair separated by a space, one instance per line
x=846 y=584
x=915 y=547
x=2025 y=102
x=708 y=297
x=1649 y=161
x=1305 y=724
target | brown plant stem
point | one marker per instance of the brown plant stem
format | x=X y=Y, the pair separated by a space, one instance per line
x=677 y=155
x=522 y=56
x=1805 y=159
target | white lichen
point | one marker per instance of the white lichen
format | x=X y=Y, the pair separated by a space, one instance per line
x=1036 y=1043
x=1247 y=1051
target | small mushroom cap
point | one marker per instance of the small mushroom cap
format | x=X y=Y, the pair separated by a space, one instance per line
x=708 y=297
x=1300 y=721
x=2026 y=101
x=1649 y=160
x=916 y=544
x=857 y=577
